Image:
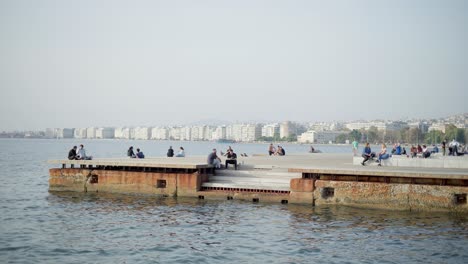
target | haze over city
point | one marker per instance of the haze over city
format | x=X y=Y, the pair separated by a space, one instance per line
x=144 y=63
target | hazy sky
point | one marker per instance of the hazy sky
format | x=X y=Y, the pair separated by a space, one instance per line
x=113 y=63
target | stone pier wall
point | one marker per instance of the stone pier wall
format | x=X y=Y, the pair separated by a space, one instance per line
x=88 y=180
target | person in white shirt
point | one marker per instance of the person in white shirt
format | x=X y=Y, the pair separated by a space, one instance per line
x=82 y=154
x=181 y=152
x=453 y=148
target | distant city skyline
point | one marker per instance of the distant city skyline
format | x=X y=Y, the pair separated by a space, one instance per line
x=146 y=63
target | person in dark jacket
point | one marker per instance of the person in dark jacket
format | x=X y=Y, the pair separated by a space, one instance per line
x=367 y=154
x=130 y=152
x=72 y=154
x=170 y=152
x=140 y=154
x=231 y=158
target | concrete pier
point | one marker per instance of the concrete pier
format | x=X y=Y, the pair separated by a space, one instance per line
x=313 y=179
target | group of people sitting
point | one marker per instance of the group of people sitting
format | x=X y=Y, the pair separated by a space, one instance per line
x=73 y=154
x=423 y=151
x=276 y=151
x=231 y=158
x=367 y=154
x=170 y=152
x=138 y=155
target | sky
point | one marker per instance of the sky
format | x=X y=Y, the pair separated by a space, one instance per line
x=146 y=63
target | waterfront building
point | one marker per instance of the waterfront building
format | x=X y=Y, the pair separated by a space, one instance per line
x=51 y=132
x=271 y=130
x=437 y=127
x=251 y=132
x=160 y=133
x=319 y=137
x=285 y=129
x=220 y=133
x=186 y=133
x=142 y=133
x=65 y=132
x=105 y=132
x=80 y=133
x=91 y=132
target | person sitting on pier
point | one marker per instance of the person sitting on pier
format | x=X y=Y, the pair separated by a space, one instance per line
x=231 y=158
x=367 y=154
x=227 y=151
x=130 y=152
x=181 y=153
x=403 y=151
x=383 y=154
x=280 y=151
x=214 y=160
x=453 y=148
x=271 y=149
x=170 y=152
x=425 y=153
x=419 y=149
x=72 y=154
x=398 y=149
x=82 y=154
x=435 y=149
x=413 y=151
x=140 y=154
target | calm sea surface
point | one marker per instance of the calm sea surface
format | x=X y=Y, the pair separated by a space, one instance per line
x=41 y=227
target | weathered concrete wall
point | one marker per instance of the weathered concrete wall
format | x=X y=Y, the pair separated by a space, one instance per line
x=301 y=191
x=177 y=184
x=245 y=196
x=390 y=196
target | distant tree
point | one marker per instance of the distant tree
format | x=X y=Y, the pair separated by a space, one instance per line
x=415 y=136
x=450 y=132
x=433 y=137
x=372 y=134
x=354 y=135
x=393 y=136
x=291 y=138
x=340 y=139
x=404 y=135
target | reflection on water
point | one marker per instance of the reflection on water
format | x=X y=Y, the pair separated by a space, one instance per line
x=38 y=226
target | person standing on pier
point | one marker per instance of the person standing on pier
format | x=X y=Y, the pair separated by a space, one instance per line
x=170 y=152
x=355 y=147
x=72 y=154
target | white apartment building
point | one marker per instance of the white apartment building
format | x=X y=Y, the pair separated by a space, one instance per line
x=91 y=132
x=437 y=127
x=271 y=130
x=251 y=132
x=319 y=137
x=80 y=133
x=186 y=133
x=220 y=133
x=174 y=133
x=142 y=133
x=105 y=132
x=51 y=132
x=65 y=132
x=160 y=133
